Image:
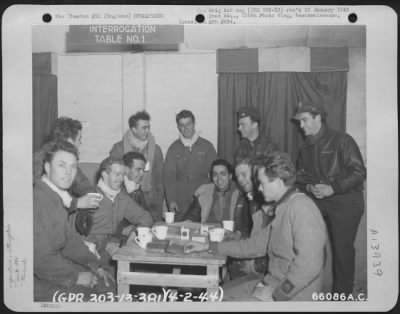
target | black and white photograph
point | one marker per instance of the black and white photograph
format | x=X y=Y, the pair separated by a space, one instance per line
x=227 y=157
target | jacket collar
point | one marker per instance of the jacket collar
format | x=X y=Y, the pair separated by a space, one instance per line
x=40 y=185
x=312 y=139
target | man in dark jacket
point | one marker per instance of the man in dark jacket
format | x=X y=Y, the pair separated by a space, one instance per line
x=331 y=170
x=186 y=165
x=70 y=130
x=252 y=144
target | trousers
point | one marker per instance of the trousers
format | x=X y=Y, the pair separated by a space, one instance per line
x=342 y=214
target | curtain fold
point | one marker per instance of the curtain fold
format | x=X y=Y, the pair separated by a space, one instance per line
x=45 y=109
x=276 y=95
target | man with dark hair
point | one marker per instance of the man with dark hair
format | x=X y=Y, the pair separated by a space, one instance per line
x=70 y=130
x=220 y=200
x=115 y=206
x=186 y=164
x=252 y=144
x=260 y=216
x=139 y=139
x=135 y=164
x=331 y=170
x=294 y=241
x=61 y=259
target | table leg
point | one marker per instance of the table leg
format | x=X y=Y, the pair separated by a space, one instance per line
x=122 y=286
x=213 y=275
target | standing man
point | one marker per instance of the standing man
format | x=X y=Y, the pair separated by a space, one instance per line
x=186 y=165
x=331 y=170
x=294 y=241
x=139 y=139
x=252 y=144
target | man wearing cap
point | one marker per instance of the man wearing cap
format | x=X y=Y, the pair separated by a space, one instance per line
x=331 y=170
x=252 y=144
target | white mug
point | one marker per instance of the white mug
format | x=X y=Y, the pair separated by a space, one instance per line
x=142 y=241
x=228 y=225
x=97 y=196
x=169 y=217
x=143 y=231
x=216 y=234
x=204 y=229
x=160 y=232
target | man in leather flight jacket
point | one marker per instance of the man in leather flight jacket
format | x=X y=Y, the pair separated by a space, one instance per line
x=331 y=170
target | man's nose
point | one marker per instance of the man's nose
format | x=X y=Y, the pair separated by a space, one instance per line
x=68 y=170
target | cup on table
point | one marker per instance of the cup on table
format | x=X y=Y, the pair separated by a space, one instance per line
x=97 y=196
x=228 y=225
x=169 y=217
x=216 y=234
x=143 y=241
x=144 y=236
x=204 y=229
x=160 y=232
x=143 y=231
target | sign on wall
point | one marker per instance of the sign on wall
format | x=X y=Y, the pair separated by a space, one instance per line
x=125 y=34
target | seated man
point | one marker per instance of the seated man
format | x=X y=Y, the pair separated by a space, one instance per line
x=61 y=260
x=70 y=130
x=135 y=164
x=115 y=206
x=220 y=200
x=251 y=266
x=294 y=241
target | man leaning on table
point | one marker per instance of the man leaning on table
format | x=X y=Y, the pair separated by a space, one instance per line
x=115 y=206
x=294 y=241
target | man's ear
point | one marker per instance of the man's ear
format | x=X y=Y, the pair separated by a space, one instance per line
x=46 y=167
x=104 y=175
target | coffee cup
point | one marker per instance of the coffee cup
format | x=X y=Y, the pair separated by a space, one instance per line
x=97 y=196
x=169 y=217
x=204 y=229
x=228 y=225
x=160 y=232
x=143 y=240
x=216 y=234
x=143 y=231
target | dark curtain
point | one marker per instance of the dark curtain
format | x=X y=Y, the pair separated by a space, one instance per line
x=276 y=95
x=44 y=111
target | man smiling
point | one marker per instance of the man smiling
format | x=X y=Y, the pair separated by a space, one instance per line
x=138 y=138
x=61 y=259
x=331 y=170
x=220 y=200
x=186 y=165
x=294 y=241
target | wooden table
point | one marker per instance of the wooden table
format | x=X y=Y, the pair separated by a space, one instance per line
x=132 y=253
